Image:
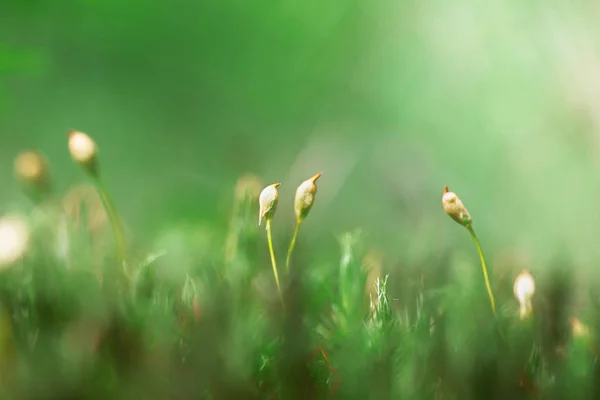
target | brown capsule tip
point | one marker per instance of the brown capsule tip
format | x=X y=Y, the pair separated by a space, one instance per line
x=317 y=176
x=276 y=185
x=446 y=190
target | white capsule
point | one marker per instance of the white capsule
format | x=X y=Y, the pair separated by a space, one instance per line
x=268 y=200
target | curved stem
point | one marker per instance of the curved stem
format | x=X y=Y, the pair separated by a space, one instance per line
x=115 y=221
x=273 y=263
x=484 y=269
x=292 y=245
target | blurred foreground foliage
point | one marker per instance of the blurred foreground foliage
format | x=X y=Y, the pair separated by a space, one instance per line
x=198 y=316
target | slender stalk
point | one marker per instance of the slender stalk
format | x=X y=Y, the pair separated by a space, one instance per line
x=273 y=263
x=484 y=269
x=115 y=221
x=292 y=245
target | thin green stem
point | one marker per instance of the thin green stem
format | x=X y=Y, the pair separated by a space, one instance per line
x=115 y=221
x=292 y=245
x=273 y=263
x=484 y=269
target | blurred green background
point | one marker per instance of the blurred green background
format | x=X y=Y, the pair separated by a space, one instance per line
x=391 y=100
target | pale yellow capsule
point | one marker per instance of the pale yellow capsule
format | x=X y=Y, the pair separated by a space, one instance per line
x=524 y=289
x=268 y=199
x=31 y=167
x=14 y=239
x=83 y=150
x=305 y=197
x=455 y=208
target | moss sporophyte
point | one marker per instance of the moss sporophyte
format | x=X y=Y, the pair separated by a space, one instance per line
x=268 y=199
x=84 y=152
x=455 y=208
x=303 y=202
x=524 y=289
